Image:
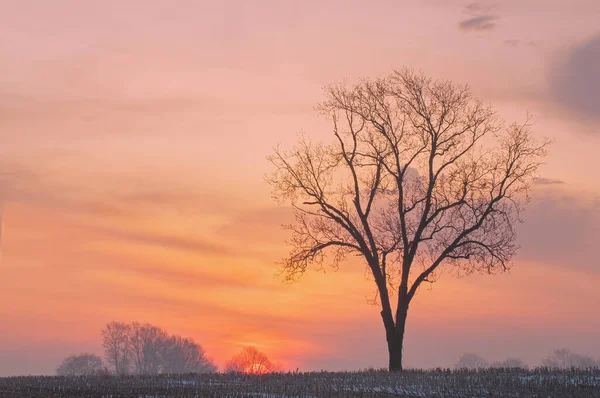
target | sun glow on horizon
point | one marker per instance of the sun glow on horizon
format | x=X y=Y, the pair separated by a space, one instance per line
x=256 y=369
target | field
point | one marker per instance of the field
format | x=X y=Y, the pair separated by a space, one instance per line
x=434 y=383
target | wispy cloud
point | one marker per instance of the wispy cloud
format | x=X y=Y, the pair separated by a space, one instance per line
x=475 y=8
x=37 y=191
x=263 y=225
x=147 y=238
x=560 y=230
x=480 y=17
x=575 y=80
x=183 y=276
x=482 y=22
x=512 y=43
x=547 y=181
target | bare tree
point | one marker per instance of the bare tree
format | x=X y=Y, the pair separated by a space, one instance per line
x=80 y=365
x=250 y=361
x=579 y=361
x=471 y=360
x=565 y=359
x=183 y=355
x=420 y=176
x=147 y=342
x=148 y=349
x=115 y=341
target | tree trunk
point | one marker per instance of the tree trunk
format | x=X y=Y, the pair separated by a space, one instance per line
x=395 y=344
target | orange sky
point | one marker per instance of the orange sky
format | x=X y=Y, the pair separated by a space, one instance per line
x=133 y=143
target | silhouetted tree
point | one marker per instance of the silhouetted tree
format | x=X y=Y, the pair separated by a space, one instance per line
x=250 y=361
x=117 y=350
x=80 y=365
x=420 y=175
x=182 y=355
x=147 y=345
x=148 y=349
x=565 y=359
x=470 y=360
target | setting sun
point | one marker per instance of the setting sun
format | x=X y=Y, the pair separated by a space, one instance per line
x=256 y=369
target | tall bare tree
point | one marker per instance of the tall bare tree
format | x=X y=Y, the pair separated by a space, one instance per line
x=420 y=175
x=117 y=350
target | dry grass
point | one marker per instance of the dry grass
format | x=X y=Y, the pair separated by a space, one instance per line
x=415 y=383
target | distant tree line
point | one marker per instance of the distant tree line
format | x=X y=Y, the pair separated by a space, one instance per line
x=145 y=349
x=560 y=359
x=141 y=349
x=565 y=359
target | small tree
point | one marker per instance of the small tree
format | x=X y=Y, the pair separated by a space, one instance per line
x=419 y=176
x=470 y=360
x=565 y=359
x=80 y=365
x=250 y=361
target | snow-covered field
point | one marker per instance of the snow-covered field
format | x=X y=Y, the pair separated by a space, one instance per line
x=435 y=383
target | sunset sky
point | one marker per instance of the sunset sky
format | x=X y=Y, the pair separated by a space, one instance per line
x=133 y=145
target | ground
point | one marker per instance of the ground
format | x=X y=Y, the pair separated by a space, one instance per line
x=436 y=383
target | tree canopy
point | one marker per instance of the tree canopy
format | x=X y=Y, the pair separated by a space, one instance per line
x=419 y=176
